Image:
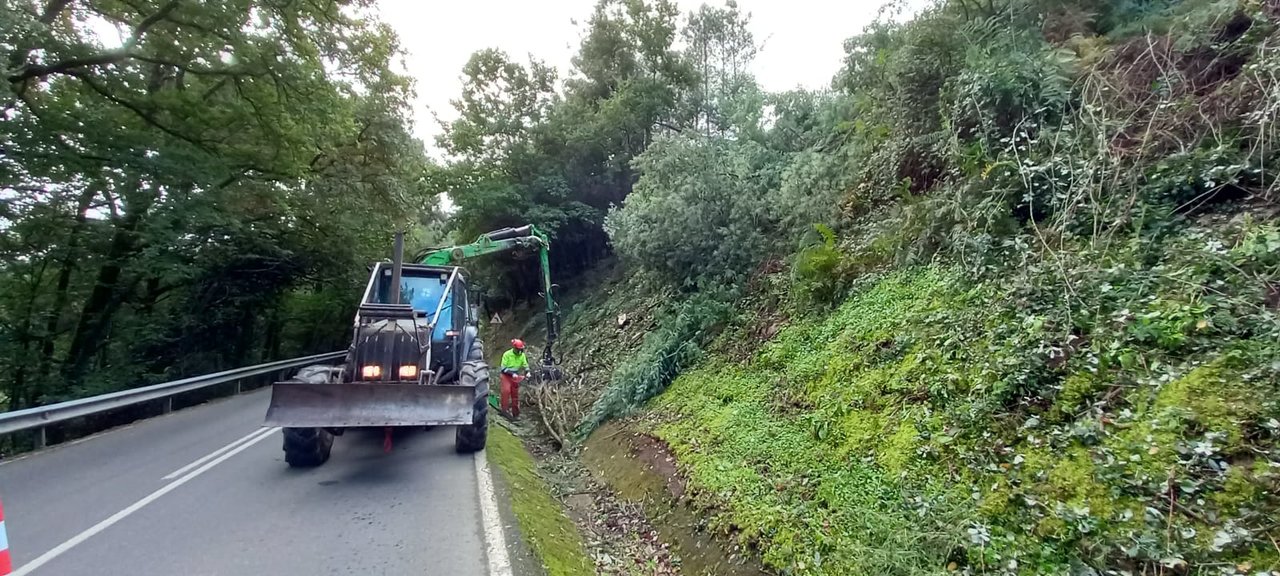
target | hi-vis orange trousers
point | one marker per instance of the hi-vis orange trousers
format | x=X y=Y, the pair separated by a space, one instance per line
x=509 y=400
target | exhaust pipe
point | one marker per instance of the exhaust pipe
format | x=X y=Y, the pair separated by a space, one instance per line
x=397 y=262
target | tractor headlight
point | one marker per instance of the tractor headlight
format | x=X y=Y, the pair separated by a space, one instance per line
x=408 y=371
x=370 y=372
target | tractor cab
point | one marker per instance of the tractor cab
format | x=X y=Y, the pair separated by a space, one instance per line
x=420 y=334
x=421 y=288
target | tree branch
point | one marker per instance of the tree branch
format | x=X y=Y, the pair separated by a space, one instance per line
x=66 y=66
x=138 y=111
x=669 y=126
x=214 y=89
x=197 y=71
x=152 y=20
x=229 y=180
x=202 y=28
x=108 y=57
x=52 y=9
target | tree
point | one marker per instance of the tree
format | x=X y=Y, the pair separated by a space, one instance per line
x=629 y=80
x=701 y=213
x=179 y=181
x=501 y=102
x=720 y=49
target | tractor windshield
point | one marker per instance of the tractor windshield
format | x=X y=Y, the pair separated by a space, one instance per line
x=422 y=290
x=423 y=293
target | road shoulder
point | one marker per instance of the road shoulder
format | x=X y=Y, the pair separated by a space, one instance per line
x=541 y=538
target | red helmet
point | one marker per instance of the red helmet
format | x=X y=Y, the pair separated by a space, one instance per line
x=518 y=344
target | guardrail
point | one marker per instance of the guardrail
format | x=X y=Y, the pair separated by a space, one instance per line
x=39 y=417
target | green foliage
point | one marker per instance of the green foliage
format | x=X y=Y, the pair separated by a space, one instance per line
x=1033 y=432
x=776 y=448
x=1051 y=228
x=167 y=199
x=526 y=153
x=816 y=269
x=1009 y=78
x=684 y=327
x=719 y=49
x=700 y=211
x=500 y=101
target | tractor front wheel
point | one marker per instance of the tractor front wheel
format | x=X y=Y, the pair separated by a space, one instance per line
x=306 y=447
x=472 y=437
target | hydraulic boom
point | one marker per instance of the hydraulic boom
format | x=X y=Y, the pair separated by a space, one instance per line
x=523 y=238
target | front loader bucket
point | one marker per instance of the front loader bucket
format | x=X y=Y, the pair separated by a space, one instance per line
x=303 y=405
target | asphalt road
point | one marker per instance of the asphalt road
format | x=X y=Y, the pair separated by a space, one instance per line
x=197 y=493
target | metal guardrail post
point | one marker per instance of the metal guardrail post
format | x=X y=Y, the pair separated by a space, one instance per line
x=41 y=439
x=168 y=405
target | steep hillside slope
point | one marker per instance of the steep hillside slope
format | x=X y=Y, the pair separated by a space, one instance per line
x=1114 y=410
x=1033 y=328
x=936 y=422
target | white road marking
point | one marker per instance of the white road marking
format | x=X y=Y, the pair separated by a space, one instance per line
x=97 y=435
x=216 y=453
x=494 y=538
x=121 y=515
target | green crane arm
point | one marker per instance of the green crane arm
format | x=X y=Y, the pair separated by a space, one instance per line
x=526 y=237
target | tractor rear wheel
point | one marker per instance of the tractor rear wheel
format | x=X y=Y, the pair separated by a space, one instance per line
x=306 y=447
x=472 y=437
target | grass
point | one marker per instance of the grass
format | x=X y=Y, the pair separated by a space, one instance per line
x=931 y=423
x=779 y=449
x=549 y=532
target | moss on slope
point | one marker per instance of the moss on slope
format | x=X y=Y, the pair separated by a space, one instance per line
x=934 y=424
x=550 y=534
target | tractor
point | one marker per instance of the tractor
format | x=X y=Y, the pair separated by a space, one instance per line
x=415 y=359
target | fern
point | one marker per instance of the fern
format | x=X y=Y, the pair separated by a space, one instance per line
x=815 y=275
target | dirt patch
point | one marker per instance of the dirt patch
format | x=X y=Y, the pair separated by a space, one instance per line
x=654 y=455
x=618 y=537
x=624 y=540
x=643 y=473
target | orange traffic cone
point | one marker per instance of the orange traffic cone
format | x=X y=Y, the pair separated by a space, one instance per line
x=6 y=565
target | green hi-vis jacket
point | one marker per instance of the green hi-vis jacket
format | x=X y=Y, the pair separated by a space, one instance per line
x=513 y=361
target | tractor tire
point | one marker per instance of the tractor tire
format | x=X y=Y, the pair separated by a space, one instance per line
x=472 y=437
x=477 y=350
x=306 y=447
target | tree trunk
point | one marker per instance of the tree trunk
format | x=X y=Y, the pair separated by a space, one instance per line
x=272 y=339
x=106 y=296
x=70 y=257
x=18 y=384
x=242 y=348
x=20 y=391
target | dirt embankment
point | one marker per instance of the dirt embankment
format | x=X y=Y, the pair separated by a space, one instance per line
x=641 y=470
x=621 y=488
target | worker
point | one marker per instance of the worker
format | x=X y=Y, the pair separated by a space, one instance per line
x=515 y=366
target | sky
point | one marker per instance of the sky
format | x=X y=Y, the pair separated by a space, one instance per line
x=803 y=40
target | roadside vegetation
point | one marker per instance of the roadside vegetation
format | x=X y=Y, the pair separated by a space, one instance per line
x=1002 y=300
x=187 y=187
x=550 y=534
